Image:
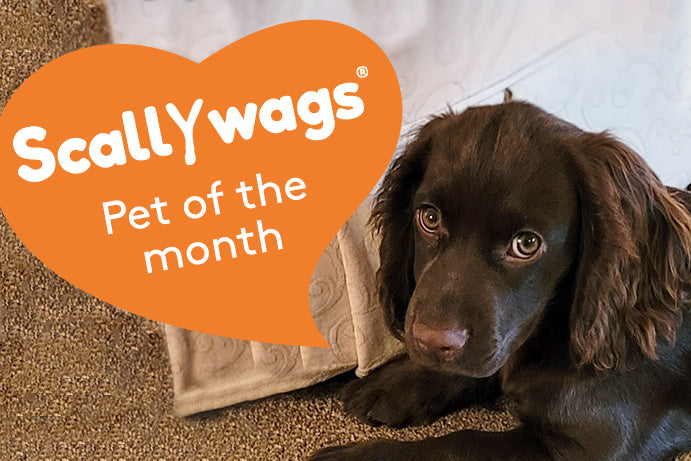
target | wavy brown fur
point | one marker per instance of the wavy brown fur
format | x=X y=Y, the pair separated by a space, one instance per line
x=635 y=256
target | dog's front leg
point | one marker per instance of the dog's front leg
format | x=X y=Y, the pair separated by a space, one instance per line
x=517 y=445
x=404 y=394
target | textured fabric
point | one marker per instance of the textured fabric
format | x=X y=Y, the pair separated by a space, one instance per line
x=210 y=372
x=620 y=65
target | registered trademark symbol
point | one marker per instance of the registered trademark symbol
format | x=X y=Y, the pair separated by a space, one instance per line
x=362 y=71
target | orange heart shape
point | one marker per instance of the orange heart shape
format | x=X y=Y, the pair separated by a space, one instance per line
x=235 y=172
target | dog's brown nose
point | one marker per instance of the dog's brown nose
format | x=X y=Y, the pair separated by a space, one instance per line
x=445 y=343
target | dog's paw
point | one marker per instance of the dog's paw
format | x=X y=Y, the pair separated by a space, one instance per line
x=375 y=450
x=339 y=453
x=395 y=396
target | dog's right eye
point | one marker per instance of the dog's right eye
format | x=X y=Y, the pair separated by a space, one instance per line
x=429 y=219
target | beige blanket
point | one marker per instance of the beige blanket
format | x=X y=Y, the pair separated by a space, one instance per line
x=211 y=372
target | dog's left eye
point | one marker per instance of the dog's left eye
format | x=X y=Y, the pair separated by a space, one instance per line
x=429 y=219
x=525 y=245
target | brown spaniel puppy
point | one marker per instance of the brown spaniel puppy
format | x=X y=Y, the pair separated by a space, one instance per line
x=524 y=256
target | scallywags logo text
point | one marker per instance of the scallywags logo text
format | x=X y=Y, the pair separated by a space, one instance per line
x=200 y=194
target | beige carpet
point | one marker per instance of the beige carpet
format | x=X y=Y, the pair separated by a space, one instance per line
x=80 y=379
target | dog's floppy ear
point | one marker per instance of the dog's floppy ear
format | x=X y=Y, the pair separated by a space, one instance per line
x=634 y=270
x=392 y=217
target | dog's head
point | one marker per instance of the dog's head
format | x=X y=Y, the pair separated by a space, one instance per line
x=493 y=218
